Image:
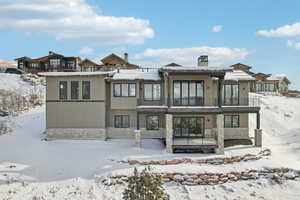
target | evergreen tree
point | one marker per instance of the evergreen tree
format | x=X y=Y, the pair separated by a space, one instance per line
x=145 y=186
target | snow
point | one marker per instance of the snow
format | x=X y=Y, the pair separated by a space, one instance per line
x=137 y=74
x=187 y=68
x=238 y=75
x=74 y=73
x=31 y=168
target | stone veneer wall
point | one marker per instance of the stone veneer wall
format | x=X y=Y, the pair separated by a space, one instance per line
x=70 y=133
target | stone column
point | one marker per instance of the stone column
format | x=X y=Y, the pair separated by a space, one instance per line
x=220 y=134
x=169 y=133
x=258 y=137
x=137 y=138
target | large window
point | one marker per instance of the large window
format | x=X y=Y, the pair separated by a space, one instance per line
x=124 y=90
x=54 y=62
x=231 y=94
x=63 y=90
x=188 y=126
x=258 y=87
x=269 y=87
x=74 y=89
x=188 y=93
x=152 y=123
x=121 y=121
x=231 y=121
x=152 y=91
x=70 y=64
x=86 y=90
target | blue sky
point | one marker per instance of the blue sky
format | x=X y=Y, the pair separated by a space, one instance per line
x=157 y=32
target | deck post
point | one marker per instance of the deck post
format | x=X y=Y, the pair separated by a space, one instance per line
x=258 y=137
x=220 y=134
x=169 y=133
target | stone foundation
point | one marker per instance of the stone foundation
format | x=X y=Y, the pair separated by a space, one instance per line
x=81 y=134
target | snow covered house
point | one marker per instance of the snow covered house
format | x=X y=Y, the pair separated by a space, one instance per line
x=197 y=107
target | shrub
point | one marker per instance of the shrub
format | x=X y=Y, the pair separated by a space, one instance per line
x=145 y=186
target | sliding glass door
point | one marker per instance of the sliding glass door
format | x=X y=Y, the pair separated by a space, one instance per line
x=231 y=94
x=188 y=93
x=188 y=126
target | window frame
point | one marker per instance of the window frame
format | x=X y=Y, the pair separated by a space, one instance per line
x=128 y=89
x=231 y=121
x=201 y=98
x=60 y=90
x=183 y=123
x=78 y=88
x=82 y=90
x=122 y=125
x=232 y=94
x=152 y=92
x=147 y=123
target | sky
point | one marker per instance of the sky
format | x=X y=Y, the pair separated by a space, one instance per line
x=264 y=34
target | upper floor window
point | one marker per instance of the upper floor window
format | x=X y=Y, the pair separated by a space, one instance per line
x=54 y=62
x=122 y=121
x=189 y=93
x=86 y=90
x=124 y=90
x=70 y=63
x=74 y=89
x=231 y=94
x=63 y=90
x=152 y=91
x=231 y=121
x=21 y=64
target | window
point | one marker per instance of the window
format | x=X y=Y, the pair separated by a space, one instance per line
x=258 y=87
x=231 y=94
x=70 y=64
x=231 y=121
x=121 y=121
x=124 y=90
x=54 y=62
x=63 y=90
x=188 y=93
x=74 y=89
x=86 y=90
x=269 y=87
x=21 y=65
x=152 y=91
x=188 y=126
x=152 y=123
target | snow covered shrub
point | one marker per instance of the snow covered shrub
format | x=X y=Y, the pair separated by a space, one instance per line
x=4 y=128
x=145 y=186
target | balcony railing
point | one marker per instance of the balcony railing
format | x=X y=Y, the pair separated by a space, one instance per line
x=150 y=102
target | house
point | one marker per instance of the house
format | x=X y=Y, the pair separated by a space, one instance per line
x=265 y=83
x=52 y=63
x=89 y=66
x=112 y=62
x=197 y=107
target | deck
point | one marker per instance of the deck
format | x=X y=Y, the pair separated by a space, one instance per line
x=194 y=143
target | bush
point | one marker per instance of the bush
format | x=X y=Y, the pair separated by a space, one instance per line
x=145 y=186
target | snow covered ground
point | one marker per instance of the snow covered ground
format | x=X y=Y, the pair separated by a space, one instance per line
x=31 y=168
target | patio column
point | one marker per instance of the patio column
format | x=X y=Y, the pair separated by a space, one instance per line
x=220 y=134
x=258 y=132
x=169 y=133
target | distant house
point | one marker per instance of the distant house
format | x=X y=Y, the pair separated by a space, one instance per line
x=52 y=63
x=265 y=82
x=112 y=62
x=4 y=64
x=89 y=66
x=173 y=65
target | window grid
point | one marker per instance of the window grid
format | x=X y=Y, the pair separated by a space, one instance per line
x=231 y=121
x=155 y=92
x=122 y=121
x=124 y=89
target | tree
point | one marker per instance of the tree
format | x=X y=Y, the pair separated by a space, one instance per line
x=145 y=186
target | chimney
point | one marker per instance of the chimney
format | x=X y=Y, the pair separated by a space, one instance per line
x=126 y=57
x=203 y=61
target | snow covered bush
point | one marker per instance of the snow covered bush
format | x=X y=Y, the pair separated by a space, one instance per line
x=145 y=186
x=4 y=128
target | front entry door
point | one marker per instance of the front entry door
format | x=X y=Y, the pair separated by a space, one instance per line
x=189 y=127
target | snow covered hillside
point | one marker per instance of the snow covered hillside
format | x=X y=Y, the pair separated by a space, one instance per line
x=31 y=168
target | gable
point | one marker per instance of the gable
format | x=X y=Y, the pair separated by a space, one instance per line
x=113 y=59
x=240 y=66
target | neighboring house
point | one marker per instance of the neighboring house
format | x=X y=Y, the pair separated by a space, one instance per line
x=89 y=66
x=112 y=62
x=265 y=83
x=189 y=107
x=4 y=64
x=173 y=65
x=52 y=63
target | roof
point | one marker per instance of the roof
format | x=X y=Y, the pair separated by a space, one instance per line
x=196 y=69
x=173 y=65
x=240 y=65
x=113 y=59
x=238 y=75
x=137 y=74
x=74 y=73
x=279 y=78
x=87 y=61
x=23 y=58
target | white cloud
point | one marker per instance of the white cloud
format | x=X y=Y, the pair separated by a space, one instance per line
x=283 y=31
x=72 y=20
x=291 y=43
x=217 y=56
x=86 y=51
x=217 y=28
